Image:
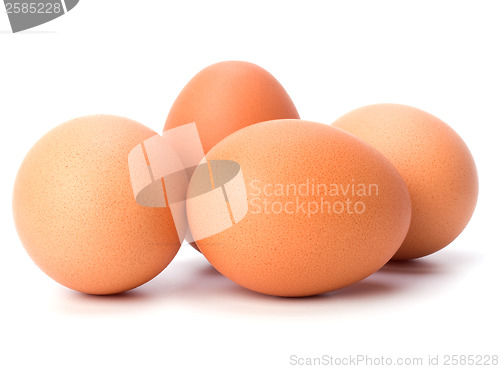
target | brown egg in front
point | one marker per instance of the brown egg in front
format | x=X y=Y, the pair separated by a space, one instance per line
x=435 y=163
x=325 y=209
x=76 y=214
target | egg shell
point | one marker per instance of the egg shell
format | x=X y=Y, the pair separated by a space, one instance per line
x=227 y=96
x=75 y=211
x=297 y=253
x=435 y=163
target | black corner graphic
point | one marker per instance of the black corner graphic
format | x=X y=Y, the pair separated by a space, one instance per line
x=24 y=15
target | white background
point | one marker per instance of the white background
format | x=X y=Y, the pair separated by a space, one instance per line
x=132 y=58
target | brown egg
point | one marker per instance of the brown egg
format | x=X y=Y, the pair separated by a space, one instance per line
x=324 y=209
x=435 y=163
x=227 y=96
x=76 y=214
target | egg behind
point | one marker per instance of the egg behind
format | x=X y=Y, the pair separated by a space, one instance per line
x=435 y=163
x=76 y=214
x=227 y=96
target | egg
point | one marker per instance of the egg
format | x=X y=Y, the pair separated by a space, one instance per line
x=435 y=163
x=324 y=210
x=76 y=214
x=227 y=96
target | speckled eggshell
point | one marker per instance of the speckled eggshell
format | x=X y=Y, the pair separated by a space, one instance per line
x=76 y=214
x=227 y=96
x=296 y=253
x=435 y=163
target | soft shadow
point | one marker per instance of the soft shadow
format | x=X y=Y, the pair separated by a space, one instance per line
x=416 y=266
x=364 y=289
x=73 y=302
x=206 y=289
x=138 y=299
x=131 y=295
x=194 y=284
x=442 y=262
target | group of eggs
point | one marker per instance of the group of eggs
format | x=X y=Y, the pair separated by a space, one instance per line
x=328 y=204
